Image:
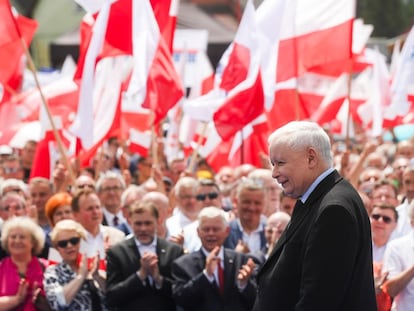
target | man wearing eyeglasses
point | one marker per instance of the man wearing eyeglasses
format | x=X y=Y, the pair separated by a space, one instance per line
x=109 y=188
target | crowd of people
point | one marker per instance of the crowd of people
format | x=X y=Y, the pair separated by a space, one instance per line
x=133 y=231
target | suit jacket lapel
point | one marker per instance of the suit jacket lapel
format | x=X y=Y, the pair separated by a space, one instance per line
x=228 y=269
x=134 y=253
x=161 y=251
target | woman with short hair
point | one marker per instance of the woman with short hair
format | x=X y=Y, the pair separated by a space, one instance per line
x=21 y=273
x=70 y=285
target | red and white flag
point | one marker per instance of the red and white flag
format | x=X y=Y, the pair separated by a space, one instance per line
x=238 y=97
x=309 y=35
x=402 y=81
x=139 y=141
x=153 y=74
x=13 y=29
x=372 y=111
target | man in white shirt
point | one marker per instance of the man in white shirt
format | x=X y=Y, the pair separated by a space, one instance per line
x=403 y=225
x=185 y=213
x=399 y=263
x=87 y=210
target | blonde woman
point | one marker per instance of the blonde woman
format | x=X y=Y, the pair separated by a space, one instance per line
x=70 y=285
x=21 y=273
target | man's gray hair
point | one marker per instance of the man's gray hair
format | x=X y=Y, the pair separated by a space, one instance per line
x=300 y=135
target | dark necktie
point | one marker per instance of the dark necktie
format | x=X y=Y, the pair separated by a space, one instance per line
x=116 y=221
x=296 y=210
x=221 y=278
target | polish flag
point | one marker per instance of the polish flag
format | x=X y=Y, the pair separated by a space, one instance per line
x=309 y=35
x=402 y=82
x=47 y=152
x=250 y=144
x=23 y=109
x=241 y=78
x=191 y=61
x=332 y=101
x=247 y=146
x=115 y=32
x=13 y=29
x=153 y=74
x=139 y=142
x=238 y=97
x=372 y=111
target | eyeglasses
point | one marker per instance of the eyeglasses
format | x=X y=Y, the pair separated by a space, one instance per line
x=86 y=186
x=11 y=170
x=203 y=196
x=107 y=189
x=385 y=219
x=64 y=243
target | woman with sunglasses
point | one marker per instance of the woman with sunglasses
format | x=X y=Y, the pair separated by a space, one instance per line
x=74 y=283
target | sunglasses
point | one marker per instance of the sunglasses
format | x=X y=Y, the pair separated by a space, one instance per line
x=64 y=243
x=203 y=196
x=385 y=219
x=86 y=186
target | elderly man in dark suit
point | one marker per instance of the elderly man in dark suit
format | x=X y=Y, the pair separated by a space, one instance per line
x=138 y=269
x=323 y=260
x=213 y=278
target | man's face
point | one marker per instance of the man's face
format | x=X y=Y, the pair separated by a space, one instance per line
x=291 y=169
x=62 y=212
x=383 y=222
x=187 y=202
x=12 y=206
x=212 y=232
x=144 y=226
x=110 y=194
x=275 y=225
x=208 y=196
x=39 y=194
x=250 y=204
x=385 y=193
x=408 y=184
x=28 y=153
x=90 y=212
x=287 y=205
x=12 y=169
x=176 y=168
x=145 y=168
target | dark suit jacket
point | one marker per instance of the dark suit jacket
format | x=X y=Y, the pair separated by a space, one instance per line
x=125 y=291
x=193 y=291
x=236 y=234
x=323 y=260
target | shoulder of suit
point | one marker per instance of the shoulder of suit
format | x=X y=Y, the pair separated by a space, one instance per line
x=164 y=243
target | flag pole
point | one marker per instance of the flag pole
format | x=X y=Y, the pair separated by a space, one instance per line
x=348 y=115
x=61 y=148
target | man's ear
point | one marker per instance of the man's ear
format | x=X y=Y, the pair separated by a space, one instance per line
x=312 y=157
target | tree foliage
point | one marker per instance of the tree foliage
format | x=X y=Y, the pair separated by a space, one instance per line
x=389 y=17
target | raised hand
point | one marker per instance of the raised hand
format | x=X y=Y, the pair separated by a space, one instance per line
x=245 y=272
x=212 y=261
